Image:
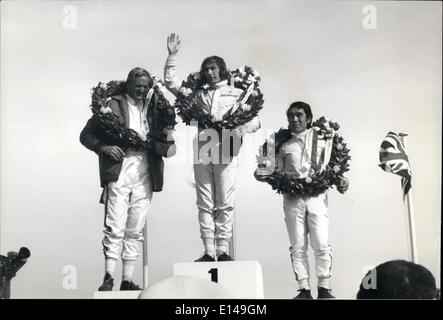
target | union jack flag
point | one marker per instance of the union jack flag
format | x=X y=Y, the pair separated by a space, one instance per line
x=393 y=158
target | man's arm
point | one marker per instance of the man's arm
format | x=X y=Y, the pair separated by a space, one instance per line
x=248 y=127
x=171 y=80
x=89 y=136
x=252 y=125
x=90 y=139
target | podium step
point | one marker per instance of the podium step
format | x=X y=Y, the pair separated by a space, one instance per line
x=184 y=287
x=243 y=278
x=117 y=294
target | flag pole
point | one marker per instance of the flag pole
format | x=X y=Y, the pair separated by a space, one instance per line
x=145 y=255
x=410 y=213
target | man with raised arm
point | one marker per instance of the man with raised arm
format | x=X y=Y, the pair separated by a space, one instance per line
x=215 y=179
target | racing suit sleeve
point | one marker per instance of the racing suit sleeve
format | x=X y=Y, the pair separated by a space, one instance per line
x=252 y=125
x=171 y=80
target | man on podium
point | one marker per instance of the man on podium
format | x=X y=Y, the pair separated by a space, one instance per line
x=128 y=175
x=215 y=179
x=306 y=213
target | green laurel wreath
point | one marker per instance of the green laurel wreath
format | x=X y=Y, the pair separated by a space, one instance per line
x=113 y=131
x=190 y=109
x=318 y=181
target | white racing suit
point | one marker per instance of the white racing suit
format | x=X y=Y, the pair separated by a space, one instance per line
x=304 y=214
x=215 y=179
x=127 y=200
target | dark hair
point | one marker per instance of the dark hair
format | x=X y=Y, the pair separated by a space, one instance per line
x=399 y=279
x=136 y=73
x=224 y=73
x=304 y=106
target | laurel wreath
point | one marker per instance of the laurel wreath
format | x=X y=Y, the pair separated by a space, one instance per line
x=114 y=132
x=189 y=108
x=317 y=181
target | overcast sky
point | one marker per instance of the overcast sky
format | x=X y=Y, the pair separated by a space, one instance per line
x=370 y=81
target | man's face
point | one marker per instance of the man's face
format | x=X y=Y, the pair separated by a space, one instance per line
x=298 y=121
x=212 y=73
x=138 y=88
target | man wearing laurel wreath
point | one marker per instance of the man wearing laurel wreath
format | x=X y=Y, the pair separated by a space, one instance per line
x=129 y=176
x=300 y=155
x=215 y=179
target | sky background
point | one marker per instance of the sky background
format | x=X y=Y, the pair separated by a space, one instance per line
x=369 y=81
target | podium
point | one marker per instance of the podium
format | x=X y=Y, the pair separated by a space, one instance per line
x=184 y=287
x=243 y=278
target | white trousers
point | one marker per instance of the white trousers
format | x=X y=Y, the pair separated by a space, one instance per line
x=215 y=187
x=126 y=206
x=308 y=216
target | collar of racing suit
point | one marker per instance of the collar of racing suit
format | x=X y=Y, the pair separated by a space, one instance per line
x=218 y=85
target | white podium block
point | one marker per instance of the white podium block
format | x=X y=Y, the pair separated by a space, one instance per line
x=243 y=278
x=184 y=287
x=130 y=294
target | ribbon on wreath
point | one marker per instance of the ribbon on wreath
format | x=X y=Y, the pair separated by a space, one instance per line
x=318 y=161
x=245 y=98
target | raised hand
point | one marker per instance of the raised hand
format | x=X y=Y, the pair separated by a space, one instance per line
x=173 y=43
